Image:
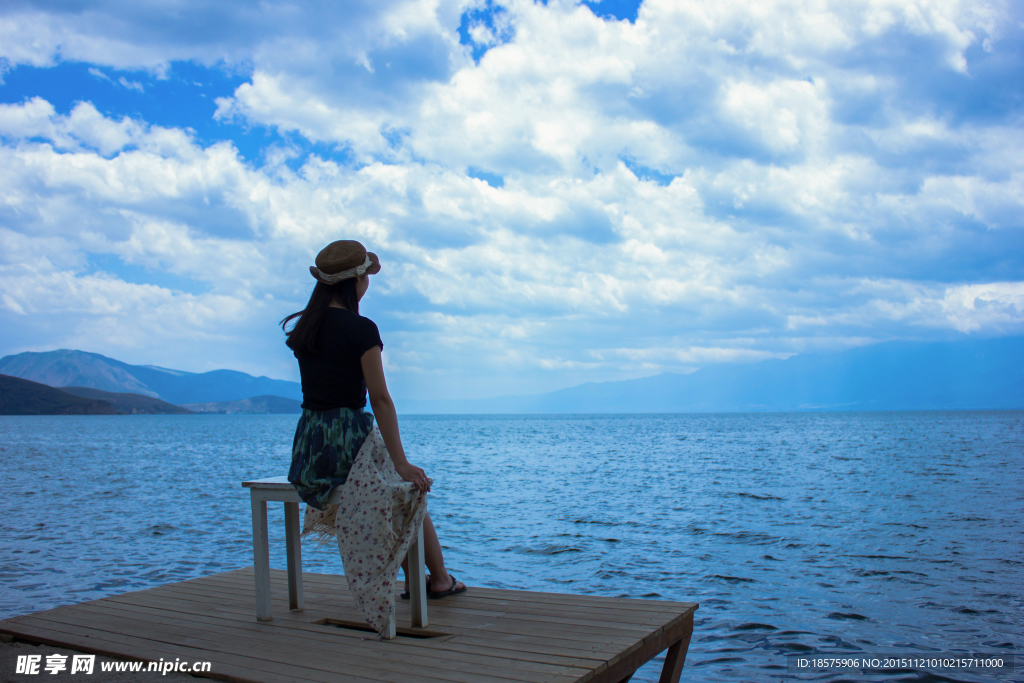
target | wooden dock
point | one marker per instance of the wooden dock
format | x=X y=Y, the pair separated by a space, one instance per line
x=483 y=636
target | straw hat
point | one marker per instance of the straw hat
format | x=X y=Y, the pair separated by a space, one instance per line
x=342 y=260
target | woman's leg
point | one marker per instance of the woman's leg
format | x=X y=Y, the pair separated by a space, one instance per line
x=439 y=578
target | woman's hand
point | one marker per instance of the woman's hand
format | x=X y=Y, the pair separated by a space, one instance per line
x=409 y=472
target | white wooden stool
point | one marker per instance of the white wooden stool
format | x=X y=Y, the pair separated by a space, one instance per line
x=280 y=489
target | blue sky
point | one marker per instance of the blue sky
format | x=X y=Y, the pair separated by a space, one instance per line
x=559 y=192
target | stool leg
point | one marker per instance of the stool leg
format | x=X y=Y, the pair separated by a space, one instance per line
x=294 y=550
x=417 y=580
x=261 y=558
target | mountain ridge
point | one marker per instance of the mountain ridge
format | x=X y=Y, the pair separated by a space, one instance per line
x=127 y=403
x=256 y=405
x=24 y=397
x=68 y=367
x=964 y=374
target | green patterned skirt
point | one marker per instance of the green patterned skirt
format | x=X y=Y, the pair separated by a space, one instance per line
x=326 y=443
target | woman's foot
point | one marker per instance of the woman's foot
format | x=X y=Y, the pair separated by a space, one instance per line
x=443 y=590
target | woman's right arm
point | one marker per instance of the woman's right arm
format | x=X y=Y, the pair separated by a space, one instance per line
x=387 y=418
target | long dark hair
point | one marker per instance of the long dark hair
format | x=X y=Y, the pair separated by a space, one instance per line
x=302 y=337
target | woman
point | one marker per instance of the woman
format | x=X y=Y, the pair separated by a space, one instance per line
x=339 y=354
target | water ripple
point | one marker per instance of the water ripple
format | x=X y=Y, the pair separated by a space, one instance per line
x=802 y=533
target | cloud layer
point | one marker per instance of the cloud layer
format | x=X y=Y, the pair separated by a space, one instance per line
x=556 y=197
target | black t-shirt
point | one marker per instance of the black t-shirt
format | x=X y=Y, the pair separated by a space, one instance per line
x=333 y=378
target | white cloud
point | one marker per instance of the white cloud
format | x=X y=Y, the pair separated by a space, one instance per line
x=83 y=127
x=716 y=182
x=659 y=357
x=99 y=74
x=131 y=85
x=12 y=305
x=993 y=305
x=997 y=307
x=781 y=115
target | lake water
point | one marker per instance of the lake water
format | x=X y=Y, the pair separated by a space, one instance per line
x=840 y=533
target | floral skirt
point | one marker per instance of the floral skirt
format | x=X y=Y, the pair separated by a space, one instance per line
x=374 y=521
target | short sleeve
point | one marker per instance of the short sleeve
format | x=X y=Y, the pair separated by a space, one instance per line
x=369 y=336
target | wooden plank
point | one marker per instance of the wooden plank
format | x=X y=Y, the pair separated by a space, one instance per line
x=453 y=611
x=367 y=658
x=542 y=653
x=630 y=604
x=502 y=624
x=587 y=629
x=508 y=595
x=627 y=663
x=409 y=652
x=379 y=669
x=581 y=656
x=223 y=666
x=200 y=605
x=469 y=601
x=604 y=650
x=125 y=647
x=617 y=607
x=545 y=646
x=243 y=577
x=655 y=643
x=499 y=635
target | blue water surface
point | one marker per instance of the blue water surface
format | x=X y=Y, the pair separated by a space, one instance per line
x=829 y=533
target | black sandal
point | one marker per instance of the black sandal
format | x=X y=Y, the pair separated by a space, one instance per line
x=437 y=595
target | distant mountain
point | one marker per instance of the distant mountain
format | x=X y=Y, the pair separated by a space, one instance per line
x=66 y=368
x=130 y=404
x=74 y=368
x=966 y=375
x=22 y=397
x=257 y=404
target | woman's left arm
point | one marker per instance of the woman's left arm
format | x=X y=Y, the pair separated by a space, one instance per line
x=387 y=418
